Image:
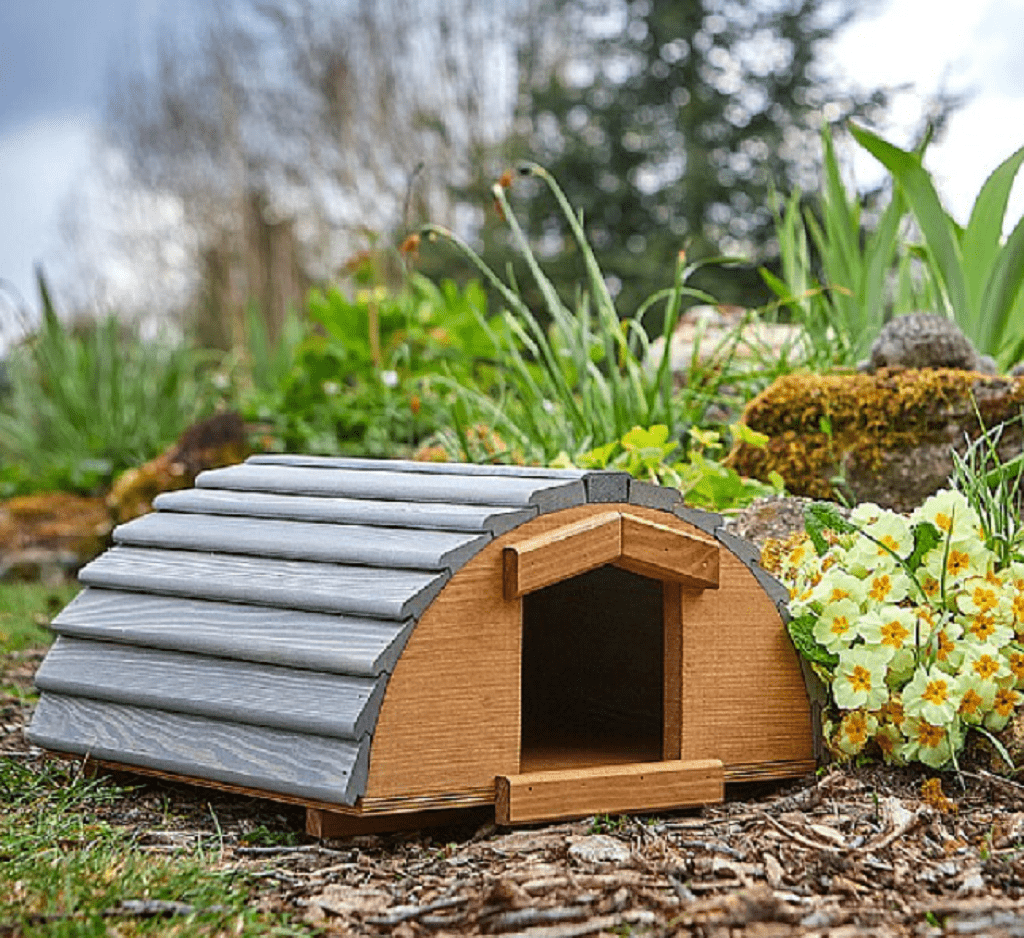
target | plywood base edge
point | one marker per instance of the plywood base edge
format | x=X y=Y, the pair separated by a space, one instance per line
x=322 y=823
x=769 y=771
x=609 y=789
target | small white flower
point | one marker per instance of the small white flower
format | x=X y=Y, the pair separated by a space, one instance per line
x=389 y=378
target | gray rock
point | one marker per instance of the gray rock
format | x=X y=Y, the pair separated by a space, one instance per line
x=925 y=340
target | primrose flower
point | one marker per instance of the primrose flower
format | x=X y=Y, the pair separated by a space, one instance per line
x=1015 y=662
x=835 y=628
x=948 y=651
x=836 y=585
x=962 y=559
x=887 y=586
x=952 y=514
x=980 y=594
x=925 y=741
x=931 y=695
x=984 y=629
x=881 y=537
x=987 y=664
x=891 y=741
x=1007 y=700
x=860 y=678
x=855 y=729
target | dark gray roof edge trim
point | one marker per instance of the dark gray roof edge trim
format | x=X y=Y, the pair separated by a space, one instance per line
x=258 y=752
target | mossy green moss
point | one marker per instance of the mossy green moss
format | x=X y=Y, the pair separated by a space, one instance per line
x=817 y=424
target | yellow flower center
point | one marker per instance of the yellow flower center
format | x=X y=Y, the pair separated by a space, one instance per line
x=930 y=587
x=971 y=702
x=944 y=522
x=1017 y=664
x=889 y=541
x=945 y=646
x=838 y=593
x=936 y=692
x=929 y=736
x=1018 y=606
x=984 y=598
x=860 y=678
x=957 y=562
x=1006 y=700
x=881 y=586
x=985 y=666
x=894 y=634
x=856 y=728
x=983 y=627
x=840 y=625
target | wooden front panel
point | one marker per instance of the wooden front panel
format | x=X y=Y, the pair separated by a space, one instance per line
x=450 y=721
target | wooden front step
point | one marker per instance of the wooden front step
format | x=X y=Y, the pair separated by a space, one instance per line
x=608 y=789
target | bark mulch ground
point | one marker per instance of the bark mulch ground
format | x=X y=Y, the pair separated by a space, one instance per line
x=852 y=851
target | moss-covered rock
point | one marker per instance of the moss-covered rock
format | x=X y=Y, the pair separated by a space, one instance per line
x=884 y=437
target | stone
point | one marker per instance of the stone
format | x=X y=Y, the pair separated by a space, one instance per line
x=885 y=437
x=925 y=340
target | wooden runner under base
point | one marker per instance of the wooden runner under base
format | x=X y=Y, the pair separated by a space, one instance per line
x=608 y=789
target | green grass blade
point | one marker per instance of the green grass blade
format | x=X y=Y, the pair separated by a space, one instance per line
x=936 y=225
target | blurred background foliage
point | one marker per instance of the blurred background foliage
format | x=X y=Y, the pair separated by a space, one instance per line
x=296 y=154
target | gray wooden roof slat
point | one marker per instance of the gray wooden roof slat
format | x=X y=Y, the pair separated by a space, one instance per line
x=233 y=691
x=301 y=540
x=441 y=516
x=408 y=465
x=333 y=643
x=298 y=764
x=649 y=495
x=293 y=584
x=546 y=494
x=607 y=486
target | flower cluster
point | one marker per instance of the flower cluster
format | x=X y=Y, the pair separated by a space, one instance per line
x=913 y=625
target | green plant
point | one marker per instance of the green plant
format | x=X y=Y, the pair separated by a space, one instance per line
x=361 y=379
x=25 y=611
x=866 y=274
x=68 y=871
x=88 y=402
x=648 y=454
x=981 y=276
x=586 y=379
x=914 y=625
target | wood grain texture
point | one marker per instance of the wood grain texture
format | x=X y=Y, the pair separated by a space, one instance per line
x=658 y=551
x=563 y=552
x=672 y=676
x=298 y=764
x=441 y=516
x=332 y=643
x=234 y=691
x=323 y=542
x=647 y=786
x=292 y=584
x=743 y=696
x=545 y=493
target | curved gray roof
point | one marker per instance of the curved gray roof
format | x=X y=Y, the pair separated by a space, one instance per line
x=245 y=631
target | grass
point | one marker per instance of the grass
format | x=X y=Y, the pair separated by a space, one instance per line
x=26 y=610
x=66 y=868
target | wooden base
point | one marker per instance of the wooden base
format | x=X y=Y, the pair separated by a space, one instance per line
x=608 y=789
x=321 y=823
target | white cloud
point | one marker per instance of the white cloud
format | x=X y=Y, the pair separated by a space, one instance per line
x=39 y=164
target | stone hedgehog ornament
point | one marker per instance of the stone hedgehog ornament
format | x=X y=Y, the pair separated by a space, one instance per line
x=925 y=340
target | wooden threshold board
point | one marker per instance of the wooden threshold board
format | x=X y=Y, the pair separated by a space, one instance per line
x=608 y=789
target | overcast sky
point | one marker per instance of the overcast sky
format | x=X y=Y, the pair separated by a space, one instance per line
x=55 y=56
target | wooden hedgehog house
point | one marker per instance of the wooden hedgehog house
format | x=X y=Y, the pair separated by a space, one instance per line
x=387 y=641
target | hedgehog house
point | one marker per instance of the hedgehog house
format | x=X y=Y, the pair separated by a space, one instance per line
x=386 y=641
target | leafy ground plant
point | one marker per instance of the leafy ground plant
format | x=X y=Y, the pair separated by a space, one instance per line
x=914 y=624
x=649 y=454
x=25 y=610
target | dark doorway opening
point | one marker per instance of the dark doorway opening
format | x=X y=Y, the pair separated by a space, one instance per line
x=592 y=671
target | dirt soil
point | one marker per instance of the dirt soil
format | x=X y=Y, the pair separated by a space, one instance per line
x=853 y=851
